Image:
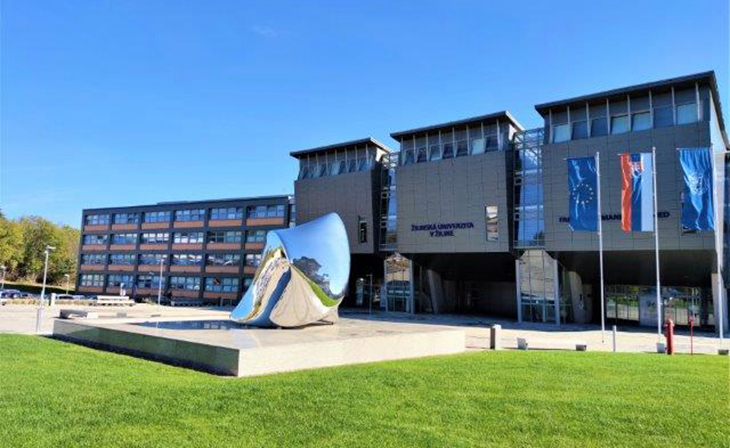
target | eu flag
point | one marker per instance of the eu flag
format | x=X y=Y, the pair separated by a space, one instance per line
x=698 y=211
x=583 y=189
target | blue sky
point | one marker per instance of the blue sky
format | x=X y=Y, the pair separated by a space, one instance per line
x=110 y=103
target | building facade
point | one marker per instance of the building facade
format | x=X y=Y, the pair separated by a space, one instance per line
x=474 y=213
x=204 y=251
x=469 y=216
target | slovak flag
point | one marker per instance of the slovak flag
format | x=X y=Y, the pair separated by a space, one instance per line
x=637 y=192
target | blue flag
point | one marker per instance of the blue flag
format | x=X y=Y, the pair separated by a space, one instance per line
x=583 y=190
x=698 y=210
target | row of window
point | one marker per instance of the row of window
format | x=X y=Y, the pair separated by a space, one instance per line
x=229 y=236
x=449 y=150
x=621 y=123
x=259 y=211
x=313 y=169
x=177 y=259
x=213 y=284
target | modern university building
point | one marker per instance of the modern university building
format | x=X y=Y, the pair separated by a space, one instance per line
x=469 y=216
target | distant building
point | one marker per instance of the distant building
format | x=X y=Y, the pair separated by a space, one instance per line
x=209 y=250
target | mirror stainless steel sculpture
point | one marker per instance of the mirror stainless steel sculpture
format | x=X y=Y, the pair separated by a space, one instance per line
x=302 y=277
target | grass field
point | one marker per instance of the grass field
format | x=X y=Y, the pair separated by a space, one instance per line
x=54 y=394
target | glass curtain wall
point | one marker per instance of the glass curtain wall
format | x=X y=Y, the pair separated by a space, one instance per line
x=537 y=286
x=529 y=220
x=398 y=283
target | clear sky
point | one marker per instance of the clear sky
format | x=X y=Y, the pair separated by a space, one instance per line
x=111 y=103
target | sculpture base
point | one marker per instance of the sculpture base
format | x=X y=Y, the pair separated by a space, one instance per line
x=226 y=348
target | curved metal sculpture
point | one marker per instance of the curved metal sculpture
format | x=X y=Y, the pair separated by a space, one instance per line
x=302 y=276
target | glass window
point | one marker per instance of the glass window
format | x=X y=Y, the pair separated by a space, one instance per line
x=422 y=156
x=247 y=282
x=255 y=236
x=225 y=284
x=190 y=215
x=686 y=113
x=92 y=280
x=492 y=223
x=96 y=259
x=580 y=129
x=187 y=283
x=253 y=259
x=230 y=236
x=126 y=218
x=640 y=121
x=448 y=150
x=303 y=172
x=322 y=170
x=478 y=146
x=120 y=280
x=155 y=238
x=124 y=238
x=663 y=117
x=148 y=281
x=561 y=133
x=187 y=260
x=352 y=166
x=121 y=259
x=619 y=124
x=435 y=153
x=223 y=259
x=96 y=220
x=226 y=213
x=152 y=259
x=95 y=239
x=492 y=143
x=599 y=127
x=157 y=216
x=408 y=157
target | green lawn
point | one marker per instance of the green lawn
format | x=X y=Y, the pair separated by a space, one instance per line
x=55 y=394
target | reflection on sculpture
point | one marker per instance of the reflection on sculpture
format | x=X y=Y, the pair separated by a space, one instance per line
x=302 y=277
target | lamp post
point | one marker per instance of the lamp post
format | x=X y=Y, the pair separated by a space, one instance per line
x=68 y=281
x=45 y=272
x=39 y=311
x=5 y=270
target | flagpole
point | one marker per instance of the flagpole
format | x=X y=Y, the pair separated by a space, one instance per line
x=718 y=248
x=656 y=248
x=600 y=246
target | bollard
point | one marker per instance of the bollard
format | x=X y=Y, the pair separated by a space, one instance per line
x=495 y=336
x=38 y=319
x=691 y=335
x=614 y=338
x=669 y=334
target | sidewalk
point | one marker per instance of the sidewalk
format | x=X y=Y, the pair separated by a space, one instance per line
x=548 y=336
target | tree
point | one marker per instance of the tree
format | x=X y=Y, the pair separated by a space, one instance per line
x=11 y=244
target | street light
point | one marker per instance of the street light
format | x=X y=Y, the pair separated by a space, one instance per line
x=68 y=280
x=45 y=272
x=159 y=282
x=39 y=311
x=4 y=269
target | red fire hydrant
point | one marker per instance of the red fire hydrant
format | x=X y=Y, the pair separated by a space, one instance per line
x=669 y=333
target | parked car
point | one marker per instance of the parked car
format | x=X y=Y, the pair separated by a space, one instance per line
x=11 y=294
x=64 y=297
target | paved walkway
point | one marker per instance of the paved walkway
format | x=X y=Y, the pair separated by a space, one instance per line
x=22 y=319
x=547 y=336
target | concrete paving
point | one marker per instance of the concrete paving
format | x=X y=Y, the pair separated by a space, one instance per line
x=22 y=319
x=546 y=336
